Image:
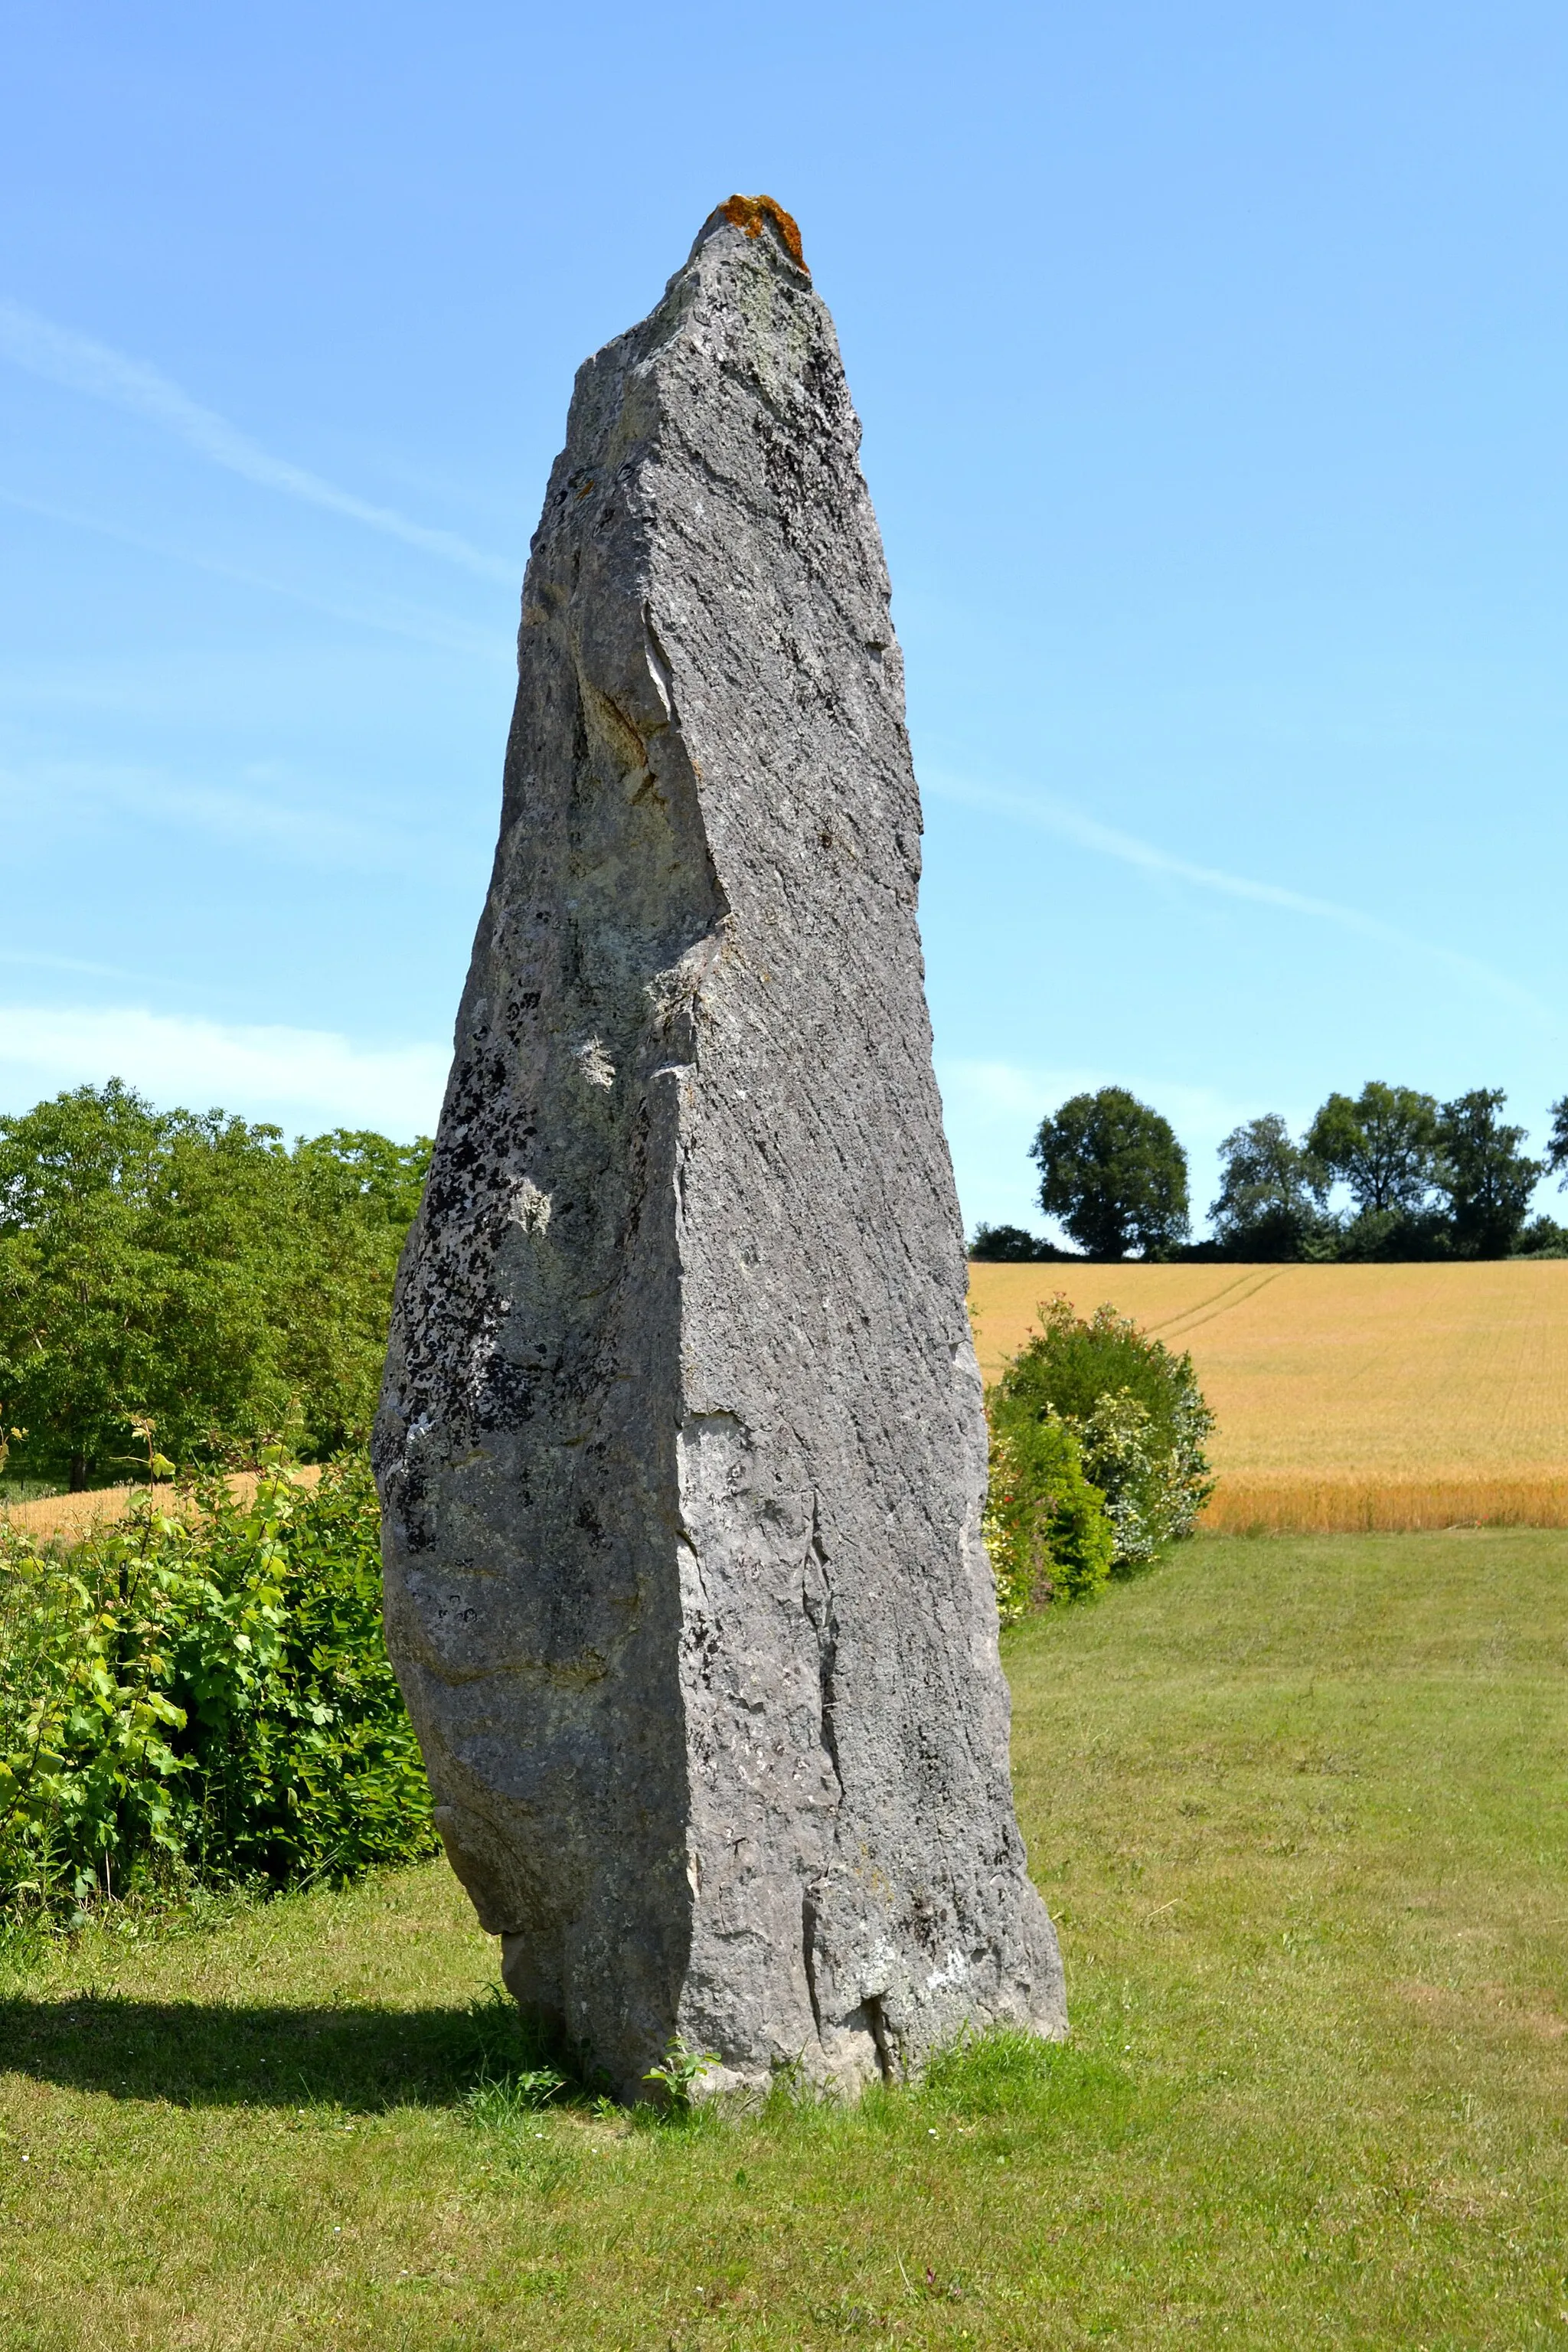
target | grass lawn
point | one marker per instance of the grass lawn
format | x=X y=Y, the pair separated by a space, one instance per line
x=1300 y=1807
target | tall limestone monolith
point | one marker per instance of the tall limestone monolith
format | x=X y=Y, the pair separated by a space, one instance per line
x=682 y=1450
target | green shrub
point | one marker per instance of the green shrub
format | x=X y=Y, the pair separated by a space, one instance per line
x=1011 y=1246
x=204 y=1697
x=1136 y=1411
x=1046 y=1528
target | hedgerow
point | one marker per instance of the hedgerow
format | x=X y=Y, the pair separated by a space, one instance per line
x=202 y=1694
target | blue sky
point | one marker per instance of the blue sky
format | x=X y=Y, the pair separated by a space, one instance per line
x=1214 y=365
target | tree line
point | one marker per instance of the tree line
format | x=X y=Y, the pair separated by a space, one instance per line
x=1389 y=1173
x=184 y=1287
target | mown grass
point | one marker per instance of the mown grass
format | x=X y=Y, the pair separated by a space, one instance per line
x=1301 y=1810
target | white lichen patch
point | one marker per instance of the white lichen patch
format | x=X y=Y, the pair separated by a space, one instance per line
x=529 y=1207
x=595 y=1064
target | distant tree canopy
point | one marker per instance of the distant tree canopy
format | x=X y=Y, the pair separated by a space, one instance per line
x=182 y=1285
x=1112 y=1171
x=1011 y=1246
x=1424 y=1180
x=1273 y=1195
x=1557 y=1143
x=1382 y=1147
x=1483 y=1174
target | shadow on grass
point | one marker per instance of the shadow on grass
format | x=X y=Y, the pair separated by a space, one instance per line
x=363 y=2059
x=366 y=2061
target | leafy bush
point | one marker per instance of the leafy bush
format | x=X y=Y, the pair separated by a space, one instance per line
x=1011 y=1246
x=1134 y=1411
x=1046 y=1528
x=204 y=1696
x=1543 y=1237
x=1154 y=1485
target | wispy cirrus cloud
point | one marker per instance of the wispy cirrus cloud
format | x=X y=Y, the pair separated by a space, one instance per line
x=1046 y=814
x=305 y=1077
x=42 y=960
x=45 y=960
x=64 y=357
x=392 y=615
x=271 y=814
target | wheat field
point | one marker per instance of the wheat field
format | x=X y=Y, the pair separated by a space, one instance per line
x=1349 y=1398
x=69 y=1516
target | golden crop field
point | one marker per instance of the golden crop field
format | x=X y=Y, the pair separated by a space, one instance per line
x=70 y=1516
x=1347 y=1396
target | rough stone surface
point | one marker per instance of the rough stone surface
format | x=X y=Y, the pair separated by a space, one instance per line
x=681 y=1449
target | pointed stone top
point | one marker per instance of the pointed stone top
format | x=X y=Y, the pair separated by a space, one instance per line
x=752 y=214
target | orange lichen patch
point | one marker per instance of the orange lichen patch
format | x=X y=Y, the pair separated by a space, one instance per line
x=750 y=212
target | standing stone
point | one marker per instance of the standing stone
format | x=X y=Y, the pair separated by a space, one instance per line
x=682 y=1450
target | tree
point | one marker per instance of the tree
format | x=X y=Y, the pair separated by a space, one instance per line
x=1272 y=1193
x=85 y=1300
x=189 y=1272
x=1484 y=1175
x=1383 y=1146
x=1112 y=1171
x=355 y=1165
x=1557 y=1143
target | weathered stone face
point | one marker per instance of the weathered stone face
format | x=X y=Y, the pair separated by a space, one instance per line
x=681 y=1448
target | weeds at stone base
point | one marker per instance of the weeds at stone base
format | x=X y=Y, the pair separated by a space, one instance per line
x=1000 y=2072
x=505 y=2101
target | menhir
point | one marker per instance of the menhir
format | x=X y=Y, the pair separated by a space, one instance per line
x=681 y=1448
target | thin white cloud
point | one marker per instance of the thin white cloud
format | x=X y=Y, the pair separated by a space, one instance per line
x=264 y=819
x=284 y=816
x=1010 y=1089
x=37 y=960
x=75 y=361
x=393 y=614
x=1048 y=814
x=309 y=1078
